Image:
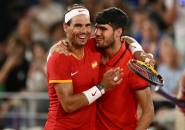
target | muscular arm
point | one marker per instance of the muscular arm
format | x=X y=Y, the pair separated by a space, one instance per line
x=72 y=102
x=68 y=100
x=145 y=101
x=138 y=51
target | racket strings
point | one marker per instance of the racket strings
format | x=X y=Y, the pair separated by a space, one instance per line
x=146 y=72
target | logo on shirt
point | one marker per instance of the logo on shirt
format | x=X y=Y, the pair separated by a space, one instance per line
x=74 y=73
x=93 y=94
x=94 y=64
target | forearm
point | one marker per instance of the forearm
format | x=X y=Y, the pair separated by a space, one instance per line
x=138 y=51
x=144 y=121
x=145 y=101
x=73 y=102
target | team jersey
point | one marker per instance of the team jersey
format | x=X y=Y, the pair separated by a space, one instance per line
x=83 y=74
x=116 y=109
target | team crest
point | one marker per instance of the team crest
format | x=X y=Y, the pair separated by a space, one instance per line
x=94 y=64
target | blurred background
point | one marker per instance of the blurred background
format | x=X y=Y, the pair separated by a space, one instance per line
x=28 y=28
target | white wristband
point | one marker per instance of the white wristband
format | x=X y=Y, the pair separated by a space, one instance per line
x=92 y=94
x=135 y=46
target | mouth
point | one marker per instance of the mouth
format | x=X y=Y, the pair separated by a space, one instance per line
x=82 y=37
x=99 y=40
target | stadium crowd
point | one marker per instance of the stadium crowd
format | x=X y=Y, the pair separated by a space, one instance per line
x=28 y=28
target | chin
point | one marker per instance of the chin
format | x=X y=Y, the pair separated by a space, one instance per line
x=102 y=46
x=84 y=41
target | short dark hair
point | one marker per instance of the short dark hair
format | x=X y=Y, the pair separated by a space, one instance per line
x=74 y=6
x=113 y=16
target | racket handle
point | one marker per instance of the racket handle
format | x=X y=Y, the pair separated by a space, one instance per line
x=166 y=95
x=179 y=103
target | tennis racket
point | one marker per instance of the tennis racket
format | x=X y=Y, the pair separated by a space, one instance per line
x=148 y=73
x=179 y=102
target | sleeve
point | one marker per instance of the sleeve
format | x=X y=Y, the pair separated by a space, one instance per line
x=135 y=46
x=137 y=83
x=58 y=69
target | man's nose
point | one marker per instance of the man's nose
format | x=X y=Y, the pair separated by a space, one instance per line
x=83 y=29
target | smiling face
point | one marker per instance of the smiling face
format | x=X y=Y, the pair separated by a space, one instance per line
x=79 y=30
x=104 y=36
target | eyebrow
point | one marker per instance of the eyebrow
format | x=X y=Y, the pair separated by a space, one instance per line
x=100 y=27
x=79 y=24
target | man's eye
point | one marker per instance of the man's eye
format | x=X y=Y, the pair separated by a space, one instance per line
x=88 y=25
x=78 y=26
x=102 y=29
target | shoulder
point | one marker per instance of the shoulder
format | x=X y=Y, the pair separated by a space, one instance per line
x=57 y=58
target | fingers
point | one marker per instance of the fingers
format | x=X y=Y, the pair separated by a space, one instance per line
x=119 y=81
x=112 y=77
x=151 y=55
x=60 y=47
x=52 y=49
x=117 y=75
x=149 y=59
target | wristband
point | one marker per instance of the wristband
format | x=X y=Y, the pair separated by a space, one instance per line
x=92 y=94
x=135 y=46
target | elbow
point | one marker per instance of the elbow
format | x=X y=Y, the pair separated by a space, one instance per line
x=151 y=113
x=68 y=108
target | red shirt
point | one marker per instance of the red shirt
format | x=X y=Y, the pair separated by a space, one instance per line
x=116 y=109
x=83 y=74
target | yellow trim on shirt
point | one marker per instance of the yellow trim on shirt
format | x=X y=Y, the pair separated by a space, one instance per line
x=60 y=81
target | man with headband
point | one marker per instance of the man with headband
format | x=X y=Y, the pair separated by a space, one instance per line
x=73 y=80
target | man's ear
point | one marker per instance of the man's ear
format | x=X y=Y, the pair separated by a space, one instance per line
x=119 y=32
x=65 y=26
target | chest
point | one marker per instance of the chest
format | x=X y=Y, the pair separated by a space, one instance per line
x=84 y=73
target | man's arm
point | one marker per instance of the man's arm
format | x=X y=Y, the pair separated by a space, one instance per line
x=68 y=100
x=138 y=51
x=72 y=102
x=146 y=104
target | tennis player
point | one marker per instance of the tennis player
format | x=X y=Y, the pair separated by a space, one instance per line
x=120 y=111
x=73 y=80
x=133 y=49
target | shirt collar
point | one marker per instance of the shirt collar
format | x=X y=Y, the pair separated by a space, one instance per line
x=113 y=61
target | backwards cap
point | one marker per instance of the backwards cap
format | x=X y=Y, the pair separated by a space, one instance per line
x=74 y=12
